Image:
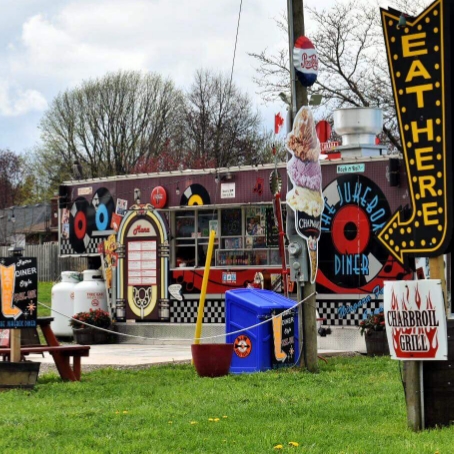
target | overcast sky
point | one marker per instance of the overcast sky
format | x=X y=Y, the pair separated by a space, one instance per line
x=47 y=46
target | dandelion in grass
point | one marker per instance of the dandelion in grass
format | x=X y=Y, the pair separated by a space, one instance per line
x=193 y=422
x=210 y=419
x=125 y=412
x=225 y=417
x=278 y=447
x=170 y=422
x=216 y=419
x=293 y=443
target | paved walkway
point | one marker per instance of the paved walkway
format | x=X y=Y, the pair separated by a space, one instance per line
x=128 y=355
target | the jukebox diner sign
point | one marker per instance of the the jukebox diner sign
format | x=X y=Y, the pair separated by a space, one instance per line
x=415 y=320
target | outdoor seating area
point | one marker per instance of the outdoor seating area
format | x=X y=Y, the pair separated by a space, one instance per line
x=62 y=354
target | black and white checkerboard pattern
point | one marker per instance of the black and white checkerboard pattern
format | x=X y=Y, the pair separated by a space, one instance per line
x=186 y=311
x=214 y=312
x=92 y=248
x=329 y=310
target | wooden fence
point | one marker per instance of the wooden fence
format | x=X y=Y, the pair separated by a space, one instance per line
x=50 y=265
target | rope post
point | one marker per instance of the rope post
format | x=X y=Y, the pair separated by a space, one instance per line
x=198 y=327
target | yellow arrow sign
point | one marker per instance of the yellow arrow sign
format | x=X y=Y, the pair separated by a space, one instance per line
x=421 y=86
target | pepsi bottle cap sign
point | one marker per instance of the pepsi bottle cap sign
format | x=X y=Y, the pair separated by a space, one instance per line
x=305 y=61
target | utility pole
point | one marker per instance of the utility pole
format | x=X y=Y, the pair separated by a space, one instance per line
x=307 y=329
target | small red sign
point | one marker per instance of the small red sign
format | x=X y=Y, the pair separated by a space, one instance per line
x=242 y=346
x=328 y=147
x=323 y=129
x=159 y=197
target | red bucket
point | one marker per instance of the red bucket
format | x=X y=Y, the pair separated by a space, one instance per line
x=212 y=360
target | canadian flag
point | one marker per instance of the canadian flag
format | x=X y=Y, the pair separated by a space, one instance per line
x=278 y=122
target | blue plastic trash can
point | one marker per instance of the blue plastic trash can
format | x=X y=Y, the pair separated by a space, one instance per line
x=254 y=348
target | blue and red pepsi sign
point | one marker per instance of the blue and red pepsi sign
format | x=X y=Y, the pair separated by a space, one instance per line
x=305 y=61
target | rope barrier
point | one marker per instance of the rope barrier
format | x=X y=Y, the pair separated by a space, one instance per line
x=182 y=339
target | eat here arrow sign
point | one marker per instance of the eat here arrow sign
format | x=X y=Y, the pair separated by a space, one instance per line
x=420 y=68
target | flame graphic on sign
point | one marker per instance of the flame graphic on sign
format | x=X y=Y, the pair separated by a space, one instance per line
x=428 y=335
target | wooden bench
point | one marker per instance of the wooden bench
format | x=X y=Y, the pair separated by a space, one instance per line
x=61 y=355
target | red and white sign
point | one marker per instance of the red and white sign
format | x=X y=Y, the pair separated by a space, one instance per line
x=159 y=197
x=305 y=61
x=142 y=263
x=415 y=320
x=328 y=147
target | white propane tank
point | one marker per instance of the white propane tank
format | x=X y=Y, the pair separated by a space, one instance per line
x=90 y=293
x=63 y=302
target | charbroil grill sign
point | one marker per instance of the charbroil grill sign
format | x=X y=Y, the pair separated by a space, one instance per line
x=415 y=320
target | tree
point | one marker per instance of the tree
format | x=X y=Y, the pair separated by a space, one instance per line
x=220 y=123
x=107 y=124
x=11 y=179
x=353 y=69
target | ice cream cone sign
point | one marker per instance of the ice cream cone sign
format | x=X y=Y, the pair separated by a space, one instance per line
x=304 y=171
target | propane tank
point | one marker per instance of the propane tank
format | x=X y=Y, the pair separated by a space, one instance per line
x=90 y=293
x=63 y=302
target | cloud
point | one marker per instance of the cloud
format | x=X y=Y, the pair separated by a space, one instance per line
x=52 y=49
x=85 y=39
x=15 y=101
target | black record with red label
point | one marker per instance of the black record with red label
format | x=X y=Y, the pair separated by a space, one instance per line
x=81 y=224
x=195 y=194
x=350 y=255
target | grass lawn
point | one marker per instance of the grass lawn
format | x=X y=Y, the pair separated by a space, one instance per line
x=354 y=405
x=44 y=296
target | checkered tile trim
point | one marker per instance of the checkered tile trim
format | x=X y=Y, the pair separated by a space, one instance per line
x=343 y=313
x=186 y=311
x=92 y=248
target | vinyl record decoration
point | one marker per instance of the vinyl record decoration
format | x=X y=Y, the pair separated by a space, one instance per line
x=104 y=206
x=305 y=61
x=355 y=211
x=81 y=224
x=195 y=194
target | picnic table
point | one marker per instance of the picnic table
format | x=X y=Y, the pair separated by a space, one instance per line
x=61 y=354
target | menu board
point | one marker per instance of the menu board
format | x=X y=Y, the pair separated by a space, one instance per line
x=283 y=350
x=271 y=229
x=231 y=222
x=19 y=292
x=142 y=263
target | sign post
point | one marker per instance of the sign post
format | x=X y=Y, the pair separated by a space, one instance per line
x=303 y=67
x=417 y=331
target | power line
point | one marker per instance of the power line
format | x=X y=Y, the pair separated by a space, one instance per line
x=234 y=50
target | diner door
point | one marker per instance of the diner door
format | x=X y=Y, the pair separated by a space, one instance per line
x=143 y=265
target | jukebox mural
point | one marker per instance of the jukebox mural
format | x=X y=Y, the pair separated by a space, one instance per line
x=142 y=264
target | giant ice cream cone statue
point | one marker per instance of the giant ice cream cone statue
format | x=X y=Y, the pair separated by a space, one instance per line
x=304 y=171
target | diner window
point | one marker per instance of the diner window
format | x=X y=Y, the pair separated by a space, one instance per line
x=192 y=231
